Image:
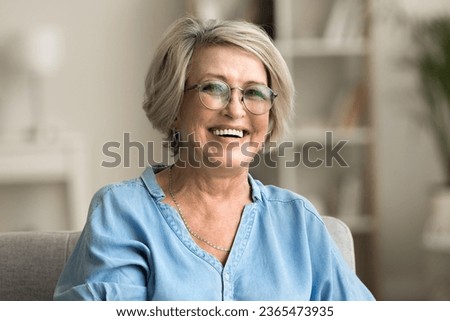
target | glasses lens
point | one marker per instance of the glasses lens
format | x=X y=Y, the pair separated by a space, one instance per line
x=214 y=94
x=258 y=98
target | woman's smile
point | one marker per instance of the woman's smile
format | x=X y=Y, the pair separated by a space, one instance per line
x=228 y=132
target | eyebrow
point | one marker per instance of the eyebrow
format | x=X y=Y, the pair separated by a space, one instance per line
x=223 y=78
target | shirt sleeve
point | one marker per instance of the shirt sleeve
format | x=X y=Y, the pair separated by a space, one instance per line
x=110 y=260
x=334 y=279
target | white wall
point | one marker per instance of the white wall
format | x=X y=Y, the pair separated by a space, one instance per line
x=406 y=158
x=98 y=89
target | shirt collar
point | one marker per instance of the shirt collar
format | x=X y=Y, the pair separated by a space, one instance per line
x=256 y=189
x=149 y=179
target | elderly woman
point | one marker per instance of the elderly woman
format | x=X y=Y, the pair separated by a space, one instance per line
x=203 y=228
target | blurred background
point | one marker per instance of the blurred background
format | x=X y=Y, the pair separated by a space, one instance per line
x=71 y=120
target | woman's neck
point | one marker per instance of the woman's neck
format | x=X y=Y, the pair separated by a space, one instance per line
x=212 y=184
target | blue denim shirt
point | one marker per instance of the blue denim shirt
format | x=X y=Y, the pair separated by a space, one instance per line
x=135 y=247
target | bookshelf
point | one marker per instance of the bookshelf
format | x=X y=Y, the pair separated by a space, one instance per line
x=326 y=44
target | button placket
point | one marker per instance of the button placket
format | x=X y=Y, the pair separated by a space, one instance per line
x=227 y=285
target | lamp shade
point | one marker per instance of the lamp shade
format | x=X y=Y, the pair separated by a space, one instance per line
x=40 y=50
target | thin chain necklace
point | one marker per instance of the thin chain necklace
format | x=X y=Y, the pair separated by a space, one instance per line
x=194 y=234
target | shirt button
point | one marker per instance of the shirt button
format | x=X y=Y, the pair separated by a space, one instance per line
x=227 y=276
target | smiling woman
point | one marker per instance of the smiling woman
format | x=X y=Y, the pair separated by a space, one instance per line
x=203 y=228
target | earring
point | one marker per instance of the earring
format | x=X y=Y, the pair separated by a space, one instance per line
x=176 y=138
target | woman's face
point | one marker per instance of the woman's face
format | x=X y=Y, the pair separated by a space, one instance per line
x=205 y=129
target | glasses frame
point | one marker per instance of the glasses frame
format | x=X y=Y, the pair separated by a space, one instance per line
x=273 y=95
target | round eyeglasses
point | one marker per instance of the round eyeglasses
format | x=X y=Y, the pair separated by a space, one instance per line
x=216 y=94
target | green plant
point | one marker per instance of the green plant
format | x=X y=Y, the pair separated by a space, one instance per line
x=432 y=60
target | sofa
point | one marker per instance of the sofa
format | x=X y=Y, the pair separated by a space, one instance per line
x=31 y=262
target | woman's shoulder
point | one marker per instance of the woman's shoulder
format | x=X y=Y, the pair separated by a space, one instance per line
x=117 y=189
x=276 y=195
x=143 y=185
x=120 y=186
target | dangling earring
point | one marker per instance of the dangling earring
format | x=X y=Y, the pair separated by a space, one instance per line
x=269 y=129
x=176 y=138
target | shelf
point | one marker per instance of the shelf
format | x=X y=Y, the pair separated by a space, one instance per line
x=33 y=166
x=23 y=161
x=322 y=47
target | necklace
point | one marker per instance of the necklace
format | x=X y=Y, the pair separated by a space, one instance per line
x=194 y=234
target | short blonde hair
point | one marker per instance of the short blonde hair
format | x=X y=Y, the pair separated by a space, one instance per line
x=165 y=82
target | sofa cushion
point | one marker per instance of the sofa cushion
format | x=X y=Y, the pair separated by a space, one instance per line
x=31 y=262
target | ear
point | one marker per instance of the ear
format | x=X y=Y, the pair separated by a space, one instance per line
x=175 y=123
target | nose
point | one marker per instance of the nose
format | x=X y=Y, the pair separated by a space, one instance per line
x=235 y=107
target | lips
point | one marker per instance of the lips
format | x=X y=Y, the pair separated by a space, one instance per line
x=228 y=132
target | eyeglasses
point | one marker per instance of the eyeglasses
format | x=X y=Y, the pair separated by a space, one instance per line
x=216 y=94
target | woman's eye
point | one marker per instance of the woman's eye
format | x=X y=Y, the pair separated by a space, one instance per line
x=256 y=93
x=214 y=88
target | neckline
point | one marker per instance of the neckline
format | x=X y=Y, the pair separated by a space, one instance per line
x=149 y=179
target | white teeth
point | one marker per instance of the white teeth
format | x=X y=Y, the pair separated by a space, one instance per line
x=233 y=132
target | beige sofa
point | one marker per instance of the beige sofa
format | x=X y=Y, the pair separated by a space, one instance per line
x=31 y=262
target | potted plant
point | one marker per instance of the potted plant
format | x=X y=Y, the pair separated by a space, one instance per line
x=432 y=38
x=432 y=62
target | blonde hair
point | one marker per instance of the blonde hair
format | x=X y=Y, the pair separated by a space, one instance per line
x=165 y=82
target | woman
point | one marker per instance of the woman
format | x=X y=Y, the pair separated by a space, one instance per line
x=204 y=229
